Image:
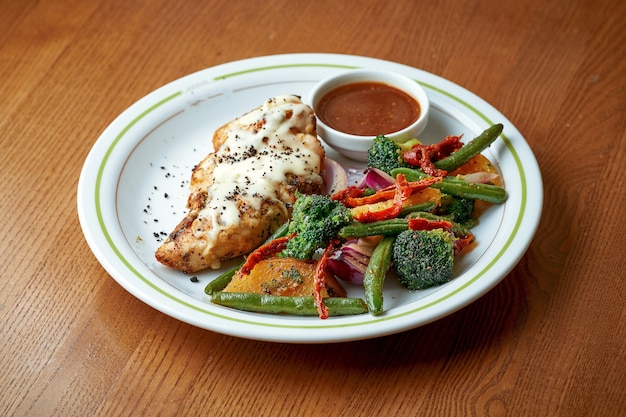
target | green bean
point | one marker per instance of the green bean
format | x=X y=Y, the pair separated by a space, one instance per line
x=471 y=149
x=393 y=227
x=485 y=192
x=298 y=305
x=374 y=277
x=222 y=280
x=381 y=227
x=458 y=188
x=280 y=232
x=427 y=206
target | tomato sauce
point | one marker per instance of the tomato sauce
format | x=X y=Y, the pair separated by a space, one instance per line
x=367 y=109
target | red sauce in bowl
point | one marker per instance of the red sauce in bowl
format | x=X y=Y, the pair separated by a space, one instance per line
x=367 y=109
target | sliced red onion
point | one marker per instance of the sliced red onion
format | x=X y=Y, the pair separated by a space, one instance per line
x=375 y=179
x=334 y=176
x=350 y=261
x=479 y=177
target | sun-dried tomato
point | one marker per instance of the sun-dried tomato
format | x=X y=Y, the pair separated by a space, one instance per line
x=348 y=192
x=381 y=195
x=424 y=156
x=265 y=251
x=419 y=223
x=448 y=145
x=318 y=280
x=461 y=243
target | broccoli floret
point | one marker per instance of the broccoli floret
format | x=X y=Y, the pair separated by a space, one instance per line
x=423 y=258
x=386 y=154
x=459 y=210
x=315 y=219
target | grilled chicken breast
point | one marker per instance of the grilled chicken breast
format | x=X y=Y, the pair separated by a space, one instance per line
x=244 y=190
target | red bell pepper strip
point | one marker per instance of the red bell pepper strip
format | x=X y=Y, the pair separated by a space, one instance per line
x=403 y=189
x=388 y=193
x=401 y=193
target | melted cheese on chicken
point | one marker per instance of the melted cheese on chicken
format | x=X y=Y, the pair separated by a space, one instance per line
x=244 y=190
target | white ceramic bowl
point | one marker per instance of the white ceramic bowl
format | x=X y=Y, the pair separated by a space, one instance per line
x=355 y=146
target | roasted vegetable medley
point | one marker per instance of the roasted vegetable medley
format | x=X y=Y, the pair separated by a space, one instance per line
x=408 y=219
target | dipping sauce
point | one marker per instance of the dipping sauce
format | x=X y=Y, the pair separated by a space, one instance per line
x=367 y=109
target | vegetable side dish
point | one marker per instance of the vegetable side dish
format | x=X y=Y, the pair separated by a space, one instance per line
x=408 y=219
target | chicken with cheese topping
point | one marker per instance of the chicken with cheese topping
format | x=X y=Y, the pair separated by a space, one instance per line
x=244 y=190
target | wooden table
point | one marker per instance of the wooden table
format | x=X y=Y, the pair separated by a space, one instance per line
x=548 y=340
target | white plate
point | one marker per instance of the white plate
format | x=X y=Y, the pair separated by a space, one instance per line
x=134 y=185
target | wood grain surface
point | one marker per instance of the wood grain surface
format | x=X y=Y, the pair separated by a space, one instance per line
x=547 y=341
